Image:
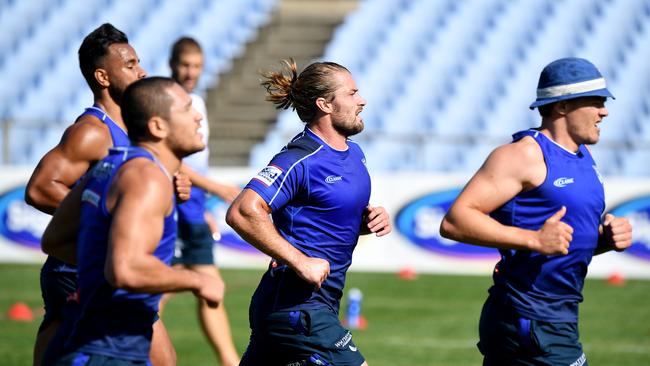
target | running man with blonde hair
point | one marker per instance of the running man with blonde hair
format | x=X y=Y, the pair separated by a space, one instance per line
x=317 y=190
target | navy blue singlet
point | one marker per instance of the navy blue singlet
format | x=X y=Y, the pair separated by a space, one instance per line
x=113 y=322
x=545 y=287
x=119 y=137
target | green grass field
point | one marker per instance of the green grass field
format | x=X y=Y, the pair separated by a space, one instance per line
x=429 y=321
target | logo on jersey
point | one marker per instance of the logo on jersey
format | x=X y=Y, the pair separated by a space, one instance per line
x=19 y=222
x=563 y=182
x=90 y=197
x=333 y=179
x=102 y=170
x=419 y=221
x=269 y=175
x=637 y=210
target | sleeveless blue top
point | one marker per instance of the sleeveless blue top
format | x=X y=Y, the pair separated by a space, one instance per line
x=113 y=322
x=543 y=287
x=119 y=137
x=318 y=196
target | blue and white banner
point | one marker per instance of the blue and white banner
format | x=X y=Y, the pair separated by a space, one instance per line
x=637 y=210
x=416 y=203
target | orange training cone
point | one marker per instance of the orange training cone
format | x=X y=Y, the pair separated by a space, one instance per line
x=407 y=273
x=20 y=312
x=616 y=279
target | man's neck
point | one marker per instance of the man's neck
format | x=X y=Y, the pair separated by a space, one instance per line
x=557 y=132
x=165 y=157
x=108 y=105
x=329 y=135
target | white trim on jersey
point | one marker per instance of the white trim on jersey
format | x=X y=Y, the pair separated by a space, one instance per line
x=289 y=171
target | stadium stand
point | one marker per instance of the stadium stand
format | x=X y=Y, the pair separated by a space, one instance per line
x=445 y=80
x=453 y=79
x=42 y=89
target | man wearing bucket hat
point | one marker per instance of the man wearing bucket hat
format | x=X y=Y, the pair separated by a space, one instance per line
x=540 y=200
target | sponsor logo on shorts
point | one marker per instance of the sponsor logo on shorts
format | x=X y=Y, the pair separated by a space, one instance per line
x=562 y=182
x=333 y=179
x=341 y=343
x=269 y=175
x=352 y=348
x=580 y=361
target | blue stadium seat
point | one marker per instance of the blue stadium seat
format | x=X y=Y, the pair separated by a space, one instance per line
x=467 y=71
x=635 y=163
x=362 y=32
x=475 y=154
x=162 y=26
x=39 y=40
x=608 y=159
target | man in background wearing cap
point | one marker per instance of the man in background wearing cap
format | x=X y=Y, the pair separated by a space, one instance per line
x=539 y=200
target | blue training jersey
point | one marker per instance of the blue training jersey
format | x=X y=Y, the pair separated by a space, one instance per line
x=543 y=287
x=113 y=322
x=119 y=137
x=318 y=196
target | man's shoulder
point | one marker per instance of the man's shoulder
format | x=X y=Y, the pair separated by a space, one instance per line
x=525 y=150
x=141 y=174
x=86 y=139
x=87 y=127
x=300 y=148
x=521 y=160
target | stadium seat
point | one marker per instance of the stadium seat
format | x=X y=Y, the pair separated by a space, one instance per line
x=635 y=163
x=38 y=60
x=441 y=70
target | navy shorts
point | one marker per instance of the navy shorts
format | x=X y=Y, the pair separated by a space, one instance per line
x=58 y=282
x=300 y=338
x=194 y=245
x=85 y=359
x=508 y=339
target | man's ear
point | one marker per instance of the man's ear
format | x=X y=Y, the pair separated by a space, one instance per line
x=562 y=107
x=158 y=127
x=101 y=76
x=324 y=105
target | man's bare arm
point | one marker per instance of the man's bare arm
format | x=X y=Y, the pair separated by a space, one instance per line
x=82 y=144
x=249 y=216
x=60 y=237
x=140 y=198
x=224 y=191
x=509 y=170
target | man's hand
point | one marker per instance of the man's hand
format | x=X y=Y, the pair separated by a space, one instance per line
x=555 y=236
x=313 y=270
x=616 y=233
x=211 y=289
x=376 y=220
x=183 y=186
